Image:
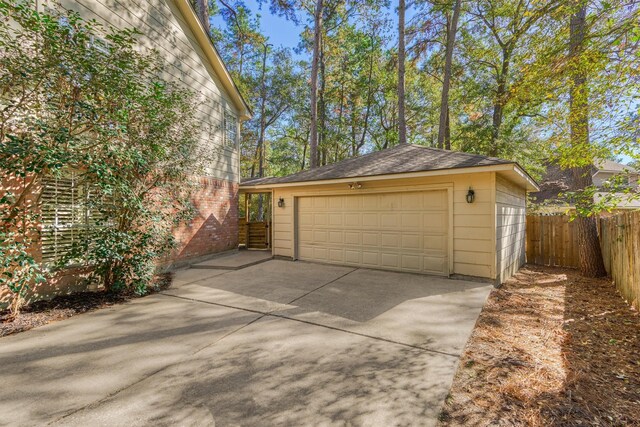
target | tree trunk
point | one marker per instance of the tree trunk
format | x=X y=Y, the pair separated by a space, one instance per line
x=444 y=101
x=447 y=134
x=589 y=250
x=317 y=33
x=498 y=104
x=263 y=101
x=202 y=10
x=402 y=125
x=322 y=108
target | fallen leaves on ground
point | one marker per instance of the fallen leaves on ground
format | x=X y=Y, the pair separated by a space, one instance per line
x=550 y=348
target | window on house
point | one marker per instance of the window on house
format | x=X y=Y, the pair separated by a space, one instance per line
x=230 y=130
x=68 y=218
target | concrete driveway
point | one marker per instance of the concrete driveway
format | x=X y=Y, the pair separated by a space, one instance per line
x=277 y=343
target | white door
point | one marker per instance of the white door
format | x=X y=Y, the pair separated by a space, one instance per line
x=392 y=231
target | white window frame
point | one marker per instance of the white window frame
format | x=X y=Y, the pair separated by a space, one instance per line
x=231 y=144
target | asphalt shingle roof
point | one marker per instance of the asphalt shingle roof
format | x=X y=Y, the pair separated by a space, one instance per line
x=402 y=158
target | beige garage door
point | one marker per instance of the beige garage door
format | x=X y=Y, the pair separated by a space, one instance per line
x=395 y=231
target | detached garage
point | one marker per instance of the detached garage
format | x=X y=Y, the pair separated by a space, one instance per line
x=408 y=208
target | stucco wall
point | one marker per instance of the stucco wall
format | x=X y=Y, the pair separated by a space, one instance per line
x=473 y=238
x=163 y=28
x=510 y=227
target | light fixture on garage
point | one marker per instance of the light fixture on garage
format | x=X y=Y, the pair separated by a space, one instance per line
x=281 y=202
x=355 y=186
x=471 y=195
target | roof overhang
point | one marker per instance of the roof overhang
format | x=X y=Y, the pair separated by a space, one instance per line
x=512 y=171
x=213 y=57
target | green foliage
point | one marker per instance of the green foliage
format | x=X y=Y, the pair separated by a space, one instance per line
x=80 y=96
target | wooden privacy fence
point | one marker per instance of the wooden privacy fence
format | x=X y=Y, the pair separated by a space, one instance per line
x=551 y=240
x=620 y=241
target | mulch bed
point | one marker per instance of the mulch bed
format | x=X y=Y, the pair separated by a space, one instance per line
x=64 y=306
x=550 y=348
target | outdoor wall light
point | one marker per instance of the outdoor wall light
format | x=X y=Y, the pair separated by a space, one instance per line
x=355 y=186
x=281 y=202
x=471 y=195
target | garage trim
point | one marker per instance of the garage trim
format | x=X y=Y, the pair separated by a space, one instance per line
x=448 y=187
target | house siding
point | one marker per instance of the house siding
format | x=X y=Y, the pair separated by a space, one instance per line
x=163 y=29
x=473 y=238
x=510 y=227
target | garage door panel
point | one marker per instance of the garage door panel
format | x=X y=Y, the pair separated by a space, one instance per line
x=320 y=219
x=434 y=200
x=434 y=243
x=335 y=219
x=370 y=219
x=336 y=202
x=412 y=262
x=370 y=202
x=336 y=255
x=320 y=236
x=370 y=258
x=353 y=203
x=352 y=219
x=336 y=237
x=390 y=240
x=411 y=201
x=370 y=239
x=389 y=220
x=353 y=238
x=411 y=221
x=389 y=260
x=434 y=264
x=321 y=254
x=411 y=241
x=305 y=203
x=352 y=256
x=434 y=221
x=399 y=231
x=320 y=202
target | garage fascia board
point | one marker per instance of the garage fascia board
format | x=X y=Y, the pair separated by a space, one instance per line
x=512 y=170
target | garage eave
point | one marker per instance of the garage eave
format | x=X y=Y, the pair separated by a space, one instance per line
x=511 y=170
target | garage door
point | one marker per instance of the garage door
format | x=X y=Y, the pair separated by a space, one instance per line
x=394 y=231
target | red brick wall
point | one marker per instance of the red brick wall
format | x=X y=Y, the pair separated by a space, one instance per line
x=215 y=227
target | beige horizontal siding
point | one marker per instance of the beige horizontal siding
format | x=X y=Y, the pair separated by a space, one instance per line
x=510 y=227
x=164 y=29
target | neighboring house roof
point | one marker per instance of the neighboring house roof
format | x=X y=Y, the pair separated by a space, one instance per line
x=557 y=180
x=401 y=159
x=213 y=57
x=611 y=166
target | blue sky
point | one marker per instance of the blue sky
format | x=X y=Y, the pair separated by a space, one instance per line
x=280 y=31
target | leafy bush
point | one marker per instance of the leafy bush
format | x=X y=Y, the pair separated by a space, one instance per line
x=76 y=95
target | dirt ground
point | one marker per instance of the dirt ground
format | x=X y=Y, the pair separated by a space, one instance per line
x=64 y=306
x=550 y=349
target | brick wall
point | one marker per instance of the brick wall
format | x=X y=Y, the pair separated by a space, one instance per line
x=215 y=227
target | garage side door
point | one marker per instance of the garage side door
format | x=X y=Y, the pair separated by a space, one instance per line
x=394 y=231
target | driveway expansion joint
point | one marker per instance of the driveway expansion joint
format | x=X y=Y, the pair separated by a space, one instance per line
x=279 y=316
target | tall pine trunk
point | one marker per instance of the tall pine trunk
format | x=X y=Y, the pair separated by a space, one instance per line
x=202 y=10
x=402 y=124
x=317 y=34
x=446 y=80
x=589 y=251
x=263 y=120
